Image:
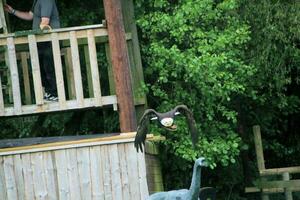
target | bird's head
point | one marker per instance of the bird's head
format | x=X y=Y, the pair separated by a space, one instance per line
x=201 y=162
x=168 y=123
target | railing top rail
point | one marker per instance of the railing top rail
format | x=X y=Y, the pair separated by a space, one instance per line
x=59 y=30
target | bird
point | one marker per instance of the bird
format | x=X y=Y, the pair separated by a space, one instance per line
x=184 y=194
x=165 y=120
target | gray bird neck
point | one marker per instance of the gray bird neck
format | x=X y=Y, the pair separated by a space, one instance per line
x=196 y=183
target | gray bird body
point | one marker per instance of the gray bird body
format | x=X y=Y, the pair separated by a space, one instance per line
x=184 y=194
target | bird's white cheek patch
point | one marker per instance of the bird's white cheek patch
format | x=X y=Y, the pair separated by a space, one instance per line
x=167 y=122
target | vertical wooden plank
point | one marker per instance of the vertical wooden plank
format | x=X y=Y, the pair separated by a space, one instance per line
x=76 y=68
x=62 y=175
x=88 y=70
x=258 y=148
x=115 y=172
x=26 y=80
x=39 y=178
x=2 y=18
x=106 y=171
x=58 y=71
x=50 y=174
x=134 y=186
x=142 y=175
x=112 y=87
x=1 y=99
x=11 y=186
x=120 y=63
x=287 y=192
x=124 y=172
x=73 y=174
x=83 y=159
x=18 y=168
x=14 y=76
x=37 y=81
x=2 y=180
x=96 y=174
x=69 y=73
x=94 y=67
x=28 y=177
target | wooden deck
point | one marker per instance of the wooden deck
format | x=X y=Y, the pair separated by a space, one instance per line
x=92 y=168
x=20 y=56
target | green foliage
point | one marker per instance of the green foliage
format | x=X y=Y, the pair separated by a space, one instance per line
x=193 y=55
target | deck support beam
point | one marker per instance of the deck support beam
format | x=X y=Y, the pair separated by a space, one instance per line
x=120 y=64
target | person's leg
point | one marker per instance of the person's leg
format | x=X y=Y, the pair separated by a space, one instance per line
x=47 y=68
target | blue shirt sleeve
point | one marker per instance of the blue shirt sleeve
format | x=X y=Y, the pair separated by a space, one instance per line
x=47 y=8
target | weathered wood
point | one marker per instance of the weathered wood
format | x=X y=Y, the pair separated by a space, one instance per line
x=115 y=172
x=106 y=172
x=112 y=87
x=120 y=63
x=28 y=176
x=88 y=70
x=268 y=191
x=287 y=191
x=96 y=173
x=73 y=174
x=280 y=171
x=258 y=148
x=3 y=194
x=14 y=76
x=58 y=71
x=94 y=67
x=76 y=68
x=50 y=174
x=1 y=98
x=39 y=179
x=279 y=184
x=62 y=175
x=124 y=171
x=142 y=176
x=83 y=161
x=11 y=186
x=69 y=73
x=26 y=80
x=18 y=168
x=55 y=107
x=2 y=19
x=36 y=72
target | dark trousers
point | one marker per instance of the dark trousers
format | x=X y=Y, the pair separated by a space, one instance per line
x=47 y=67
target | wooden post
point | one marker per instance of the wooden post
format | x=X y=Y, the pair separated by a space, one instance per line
x=259 y=156
x=287 y=192
x=120 y=64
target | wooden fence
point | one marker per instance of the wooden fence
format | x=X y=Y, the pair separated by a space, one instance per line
x=20 y=54
x=99 y=168
x=264 y=185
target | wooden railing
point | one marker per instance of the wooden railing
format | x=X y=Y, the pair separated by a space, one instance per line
x=20 y=55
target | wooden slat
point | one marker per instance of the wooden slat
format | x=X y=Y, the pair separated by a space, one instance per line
x=259 y=148
x=28 y=176
x=280 y=171
x=1 y=99
x=2 y=180
x=94 y=67
x=62 y=175
x=76 y=68
x=26 y=80
x=73 y=174
x=83 y=159
x=69 y=73
x=18 y=168
x=96 y=173
x=39 y=178
x=53 y=107
x=134 y=186
x=106 y=172
x=280 y=184
x=88 y=70
x=11 y=186
x=269 y=191
x=58 y=71
x=36 y=74
x=287 y=191
x=14 y=76
x=124 y=171
x=142 y=176
x=50 y=176
x=115 y=172
x=2 y=19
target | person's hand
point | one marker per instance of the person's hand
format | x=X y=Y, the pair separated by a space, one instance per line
x=9 y=9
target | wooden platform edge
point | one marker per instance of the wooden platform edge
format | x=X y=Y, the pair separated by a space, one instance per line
x=122 y=138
